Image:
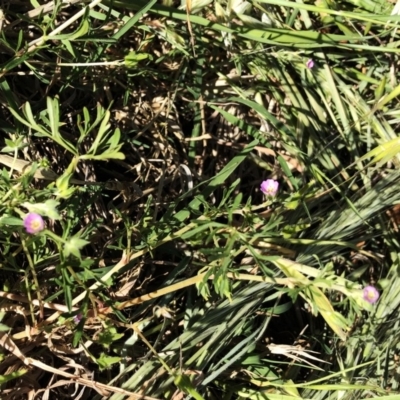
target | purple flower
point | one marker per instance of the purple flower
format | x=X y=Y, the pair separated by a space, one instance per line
x=370 y=294
x=78 y=318
x=310 y=63
x=33 y=223
x=270 y=187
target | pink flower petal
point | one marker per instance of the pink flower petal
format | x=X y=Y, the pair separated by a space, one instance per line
x=270 y=187
x=370 y=294
x=33 y=223
x=310 y=63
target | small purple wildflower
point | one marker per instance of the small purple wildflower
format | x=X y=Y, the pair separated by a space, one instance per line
x=370 y=294
x=270 y=187
x=310 y=63
x=33 y=223
x=77 y=318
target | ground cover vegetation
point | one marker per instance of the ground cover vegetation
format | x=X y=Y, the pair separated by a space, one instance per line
x=199 y=199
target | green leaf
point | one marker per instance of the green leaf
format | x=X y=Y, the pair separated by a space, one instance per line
x=109 y=336
x=4 y=328
x=81 y=31
x=112 y=155
x=73 y=246
x=220 y=178
x=105 y=361
x=184 y=384
x=115 y=138
x=104 y=127
x=11 y=145
x=46 y=209
x=133 y=58
x=69 y=47
x=12 y=375
x=53 y=111
x=12 y=221
x=314 y=296
x=26 y=108
x=384 y=152
x=389 y=97
x=129 y=23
